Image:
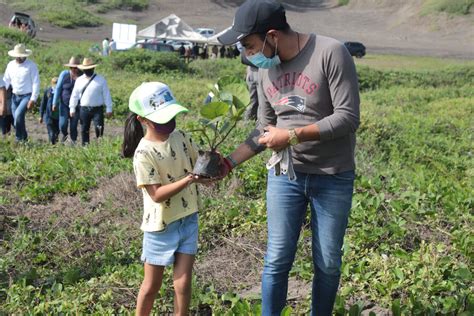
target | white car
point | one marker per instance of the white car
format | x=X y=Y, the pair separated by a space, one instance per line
x=177 y=44
x=206 y=32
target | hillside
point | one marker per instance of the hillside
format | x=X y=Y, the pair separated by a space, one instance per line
x=400 y=27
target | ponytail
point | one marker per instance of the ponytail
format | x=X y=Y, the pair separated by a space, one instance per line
x=132 y=134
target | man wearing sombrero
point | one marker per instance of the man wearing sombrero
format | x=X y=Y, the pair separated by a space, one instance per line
x=22 y=74
x=91 y=93
x=62 y=96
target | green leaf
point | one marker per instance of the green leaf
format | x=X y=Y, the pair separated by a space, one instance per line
x=399 y=274
x=464 y=274
x=228 y=80
x=226 y=97
x=354 y=310
x=396 y=310
x=214 y=109
x=240 y=93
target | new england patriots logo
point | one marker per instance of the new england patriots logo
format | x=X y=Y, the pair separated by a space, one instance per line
x=295 y=101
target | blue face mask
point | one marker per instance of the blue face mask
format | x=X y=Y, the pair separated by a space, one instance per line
x=261 y=61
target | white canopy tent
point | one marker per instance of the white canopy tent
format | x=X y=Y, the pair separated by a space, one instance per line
x=172 y=28
x=213 y=39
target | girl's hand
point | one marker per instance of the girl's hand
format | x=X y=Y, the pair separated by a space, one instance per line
x=206 y=181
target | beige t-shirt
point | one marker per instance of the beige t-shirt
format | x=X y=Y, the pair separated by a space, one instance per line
x=164 y=163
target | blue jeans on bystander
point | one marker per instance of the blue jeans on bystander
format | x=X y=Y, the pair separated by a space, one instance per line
x=19 y=104
x=330 y=200
x=65 y=120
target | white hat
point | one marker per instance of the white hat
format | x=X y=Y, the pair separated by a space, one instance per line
x=19 y=51
x=154 y=101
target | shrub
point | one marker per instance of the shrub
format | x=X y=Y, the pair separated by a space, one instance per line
x=133 y=5
x=14 y=36
x=70 y=17
x=371 y=79
x=139 y=60
x=459 y=7
x=212 y=69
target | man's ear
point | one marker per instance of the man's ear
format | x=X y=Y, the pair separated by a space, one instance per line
x=273 y=36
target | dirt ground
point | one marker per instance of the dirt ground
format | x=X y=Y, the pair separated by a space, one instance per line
x=387 y=27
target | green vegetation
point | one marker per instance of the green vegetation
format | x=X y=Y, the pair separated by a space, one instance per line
x=133 y=5
x=69 y=216
x=72 y=13
x=459 y=7
x=416 y=63
x=342 y=2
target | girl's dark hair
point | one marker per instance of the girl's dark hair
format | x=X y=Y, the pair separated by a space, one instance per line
x=132 y=134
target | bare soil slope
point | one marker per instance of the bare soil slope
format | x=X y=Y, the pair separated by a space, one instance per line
x=384 y=26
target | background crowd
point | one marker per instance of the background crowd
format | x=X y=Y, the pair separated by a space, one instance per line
x=77 y=95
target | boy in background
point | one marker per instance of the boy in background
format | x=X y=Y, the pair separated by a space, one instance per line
x=49 y=116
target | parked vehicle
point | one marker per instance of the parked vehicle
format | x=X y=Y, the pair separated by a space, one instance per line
x=206 y=32
x=157 y=46
x=24 y=23
x=177 y=44
x=355 y=49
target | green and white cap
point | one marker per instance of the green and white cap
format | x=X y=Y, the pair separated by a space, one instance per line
x=154 y=101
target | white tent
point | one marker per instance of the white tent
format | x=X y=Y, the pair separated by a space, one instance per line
x=213 y=39
x=172 y=28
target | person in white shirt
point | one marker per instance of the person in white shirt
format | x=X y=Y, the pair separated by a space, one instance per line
x=112 y=46
x=105 y=47
x=91 y=93
x=22 y=74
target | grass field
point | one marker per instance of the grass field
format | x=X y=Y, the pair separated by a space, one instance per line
x=69 y=216
x=71 y=14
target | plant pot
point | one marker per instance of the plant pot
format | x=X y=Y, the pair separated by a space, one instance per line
x=208 y=164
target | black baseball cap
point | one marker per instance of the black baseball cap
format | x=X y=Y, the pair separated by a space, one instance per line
x=255 y=16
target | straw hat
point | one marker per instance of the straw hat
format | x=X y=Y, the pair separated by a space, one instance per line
x=87 y=63
x=73 y=62
x=19 y=51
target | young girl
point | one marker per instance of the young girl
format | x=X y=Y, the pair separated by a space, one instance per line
x=163 y=159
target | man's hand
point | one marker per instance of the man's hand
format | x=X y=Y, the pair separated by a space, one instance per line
x=41 y=120
x=30 y=105
x=54 y=108
x=71 y=115
x=275 y=138
x=108 y=114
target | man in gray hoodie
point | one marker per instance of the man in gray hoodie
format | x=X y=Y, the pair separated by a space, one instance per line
x=309 y=110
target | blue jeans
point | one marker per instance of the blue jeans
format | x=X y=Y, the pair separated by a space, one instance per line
x=65 y=119
x=19 y=104
x=53 y=130
x=330 y=199
x=91 y=114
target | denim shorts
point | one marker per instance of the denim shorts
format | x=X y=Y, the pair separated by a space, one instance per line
x=179 y=236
